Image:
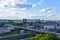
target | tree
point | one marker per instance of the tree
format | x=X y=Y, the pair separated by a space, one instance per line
x=39 y=36
x=32 y=38
x=1 y=24
x=45 y=37
x=51 y=37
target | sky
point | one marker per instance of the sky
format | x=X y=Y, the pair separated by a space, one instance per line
x=30 y=9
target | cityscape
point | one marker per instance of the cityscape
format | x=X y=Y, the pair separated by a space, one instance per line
x=26 y=28
x=29 y=19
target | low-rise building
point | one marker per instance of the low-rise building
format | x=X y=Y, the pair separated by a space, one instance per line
x=52 y=27
x=9 y=26
x=17 y=21
x=49 y=27
x=4 y=30
x=31 y=20
x=3 y=20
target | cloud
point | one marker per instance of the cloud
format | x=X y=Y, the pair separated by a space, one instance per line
x=45 y=17
x=20 y=1
x=6 y=5
x=6 y=2
x=15 y=15
x=22 y=8
x=23 y=4
x=47 y=10
x=27 y=5
x=22 y=15
x=40 y=2
x=8 y=9
x=34 y=5
x=55 y=17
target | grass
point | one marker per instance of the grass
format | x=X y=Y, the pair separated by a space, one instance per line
x=27 y=32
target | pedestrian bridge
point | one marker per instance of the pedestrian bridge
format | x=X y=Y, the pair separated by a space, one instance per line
x=39 y=30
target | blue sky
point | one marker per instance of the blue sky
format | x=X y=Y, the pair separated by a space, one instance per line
x=30 y=9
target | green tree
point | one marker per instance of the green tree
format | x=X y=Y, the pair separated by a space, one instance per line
x=32 y=38
x=51 y=37
x=1 y=24
x=39 y=36
x=45 y=37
